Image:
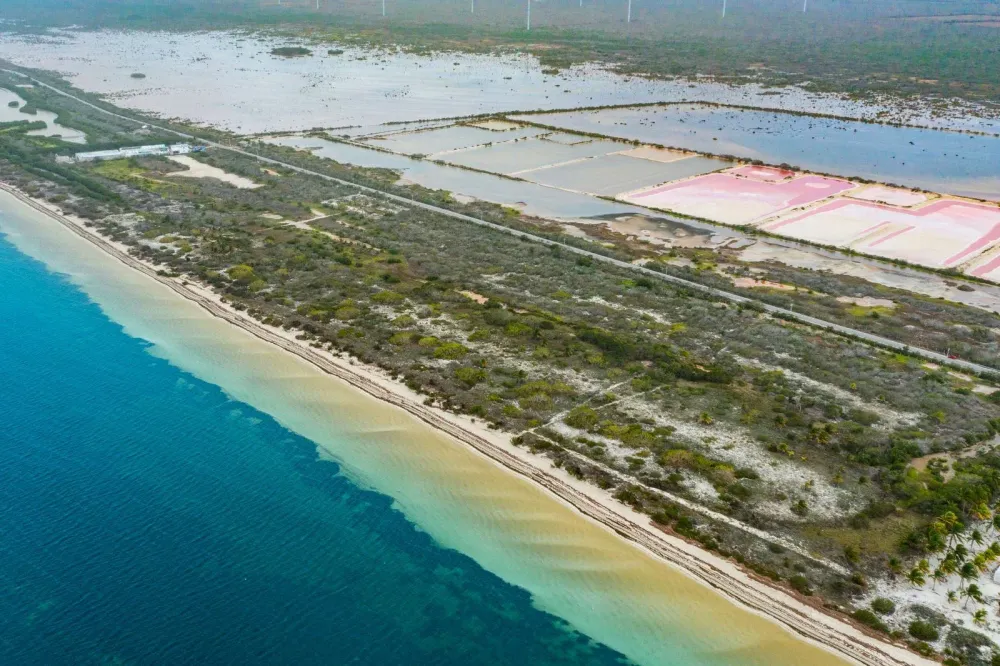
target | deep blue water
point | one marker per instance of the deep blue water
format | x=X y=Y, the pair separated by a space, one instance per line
x=147 y=518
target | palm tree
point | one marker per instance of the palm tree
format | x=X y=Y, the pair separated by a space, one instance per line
x=972 y=592
x=935 y=541
x=976 y=537
x=979 y=617
x=952 y=596
x=966 y=573
x=924 y=567
x=948 y=565
x=961 y=552
x=981 y=511
x=979 y=561
x=916 y=577
x=939 y=576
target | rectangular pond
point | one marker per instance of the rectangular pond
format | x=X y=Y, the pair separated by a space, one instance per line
x=530 y=198
x=609 y=175
x=445 y=139
x=937 y=160
x=523 y=156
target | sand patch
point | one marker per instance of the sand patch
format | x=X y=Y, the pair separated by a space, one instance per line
x=198 y=169
x=655 y=154
x=889 y=195
x=750 y=283
x=496 y=125
x=867 y=302
x=478 y=298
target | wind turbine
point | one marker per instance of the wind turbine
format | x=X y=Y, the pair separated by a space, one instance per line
x=723 y=8
x=529 y=15
x=383 y=8
x=805 y=3
x=628 y=17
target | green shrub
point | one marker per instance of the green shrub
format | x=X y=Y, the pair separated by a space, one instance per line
x=582 y=417
x=883 y=606
x=470 y=376
x=387 y=297
x=450 y=351
x=866 y=617
x=800 y=584
x=924 y=631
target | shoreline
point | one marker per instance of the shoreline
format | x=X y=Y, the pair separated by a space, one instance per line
x=805 y=621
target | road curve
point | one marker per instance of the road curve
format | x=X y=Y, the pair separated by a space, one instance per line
x=783 y=313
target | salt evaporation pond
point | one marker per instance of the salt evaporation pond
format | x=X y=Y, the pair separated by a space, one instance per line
x=12 y=114
x=949 y=162
x=230 y=80
x=528 y=197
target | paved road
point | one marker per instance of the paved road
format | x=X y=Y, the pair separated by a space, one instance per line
x=784 y=313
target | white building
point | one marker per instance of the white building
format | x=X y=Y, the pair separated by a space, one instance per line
x=138 y=151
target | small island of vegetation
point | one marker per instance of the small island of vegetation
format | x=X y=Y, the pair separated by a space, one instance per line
x=291 y=51
x=137 y=75
x=14 y=104
x=335 y=52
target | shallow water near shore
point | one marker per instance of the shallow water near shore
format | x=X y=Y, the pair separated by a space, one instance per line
x=158 y=517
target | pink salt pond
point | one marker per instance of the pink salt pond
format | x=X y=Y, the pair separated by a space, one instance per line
x=740 y=196
x=941 y=234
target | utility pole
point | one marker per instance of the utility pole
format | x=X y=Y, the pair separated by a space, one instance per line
x=529 y=15
x=383 y=8
x=723 y=8
x=628 y=18
x=805 y=3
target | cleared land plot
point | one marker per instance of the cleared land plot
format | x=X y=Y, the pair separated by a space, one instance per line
x=890 y=195
x=512 y=158
x=427 y=142
x=657 y=154
x=496 y=125
x=613 y=174
x=737 y=200
x=763 y=174
x=941 y=234
x=198 y=169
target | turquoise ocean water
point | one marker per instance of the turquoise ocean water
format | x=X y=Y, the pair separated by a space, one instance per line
x=148 y=518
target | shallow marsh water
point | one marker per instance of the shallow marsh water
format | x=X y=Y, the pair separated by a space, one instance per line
x=231 y=80
x=11 y=114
